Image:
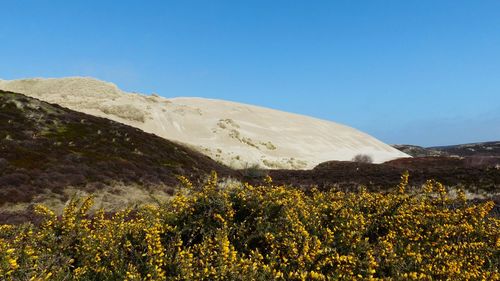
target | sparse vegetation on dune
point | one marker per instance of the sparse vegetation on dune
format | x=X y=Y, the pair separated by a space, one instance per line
x=267 y=232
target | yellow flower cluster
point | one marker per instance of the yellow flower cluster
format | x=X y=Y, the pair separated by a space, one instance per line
x=269 y=232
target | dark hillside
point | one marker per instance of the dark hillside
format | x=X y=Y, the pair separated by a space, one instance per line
x=45 y=146
x=473 y=173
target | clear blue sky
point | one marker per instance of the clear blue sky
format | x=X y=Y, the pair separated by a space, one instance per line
x=423 y=72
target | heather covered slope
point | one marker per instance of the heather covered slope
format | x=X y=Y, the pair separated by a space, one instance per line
x=475 y=175
x=236 y=134
x=45 y=148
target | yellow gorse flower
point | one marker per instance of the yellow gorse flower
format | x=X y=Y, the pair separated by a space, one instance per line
x=268 y=232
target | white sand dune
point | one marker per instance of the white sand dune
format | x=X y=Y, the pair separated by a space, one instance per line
x=235 y=134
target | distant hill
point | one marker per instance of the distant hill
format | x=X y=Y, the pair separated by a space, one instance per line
x=45 y=148
x=418 y=151
x=461 y=150
x=238 y=135
x=471 y=149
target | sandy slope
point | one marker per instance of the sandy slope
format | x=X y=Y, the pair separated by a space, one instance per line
x=235 y=134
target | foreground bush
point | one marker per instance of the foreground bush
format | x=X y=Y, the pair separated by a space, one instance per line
x=262 y=233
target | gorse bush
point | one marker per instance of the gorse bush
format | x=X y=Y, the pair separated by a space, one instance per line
x=266 y=232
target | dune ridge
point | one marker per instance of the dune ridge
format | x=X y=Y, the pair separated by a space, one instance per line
x=235 y=134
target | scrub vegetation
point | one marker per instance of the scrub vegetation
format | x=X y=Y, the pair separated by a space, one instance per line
x=267 y=232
